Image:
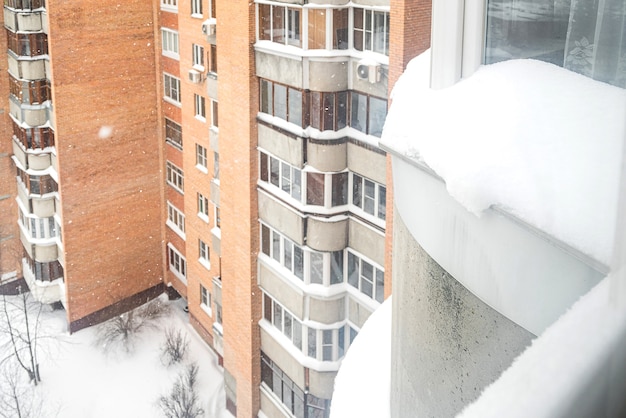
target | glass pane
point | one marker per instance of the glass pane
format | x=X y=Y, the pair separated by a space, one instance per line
x=329 y=111
x=265 y=28
x=278 y=316
x=287 y=394
x=358 y=118
x=316 y=274
x=316 y=106
x=315 y=189
x=382 y=198
x=293 y=29
x=380 y=286
x=295 y=107
x=379 y=32
x=266 y=97
x=263 y=165
x=342 y=109
x=266 y=372
x=336 y=267
x=285 y=172
x=280 y=101
x=341 y=339
x=368 y=197
x=295 y=187
x=276 y=246
x=340 y=29
x=540 y=34
x=317 y=28
x=288 y=255
x=377 y=115
x=297 y=334
x=287 y=326
x=353 y=270
x=267 y=307
x=278 y=26
x=357 y=190
x=274 y=171
x=298 y=264
x=340 y=189
x=312 y=348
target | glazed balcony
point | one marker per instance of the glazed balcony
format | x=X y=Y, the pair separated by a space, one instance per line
x=27 y=69
x=27 y=44
x=20 y=21
x=44 y=291
x=25 y=5
x=33 y=138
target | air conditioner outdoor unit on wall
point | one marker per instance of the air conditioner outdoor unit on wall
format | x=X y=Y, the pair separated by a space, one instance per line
x=195 y=76
x=367 y=70
x=208 y=27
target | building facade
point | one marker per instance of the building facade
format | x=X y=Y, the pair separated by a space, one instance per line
x=85 y=150
x=269 y=219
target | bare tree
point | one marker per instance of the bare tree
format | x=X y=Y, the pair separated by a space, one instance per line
x=183 y=401
x=22 y=318
x=121 y=331
x=174 y=348
x=17 y=398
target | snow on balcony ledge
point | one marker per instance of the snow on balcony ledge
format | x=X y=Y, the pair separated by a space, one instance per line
x=509 y=180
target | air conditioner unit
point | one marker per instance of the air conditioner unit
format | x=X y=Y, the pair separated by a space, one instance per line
x=368 y=71
x=208 y=27
x=195 y=76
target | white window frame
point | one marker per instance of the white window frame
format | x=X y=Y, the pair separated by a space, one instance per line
x=169 y=123
x=170 y=43
x=204 y=254
x=214 y=114
x=199 y=107
x=371 y=30
x=201 y=159
x=284 y=170
x=216 y=217
x=177 y=263
x=377 y=212
x=169 y=5
x=197 y=56
x=175 y=220
x=171 y=89
x=376 y=296
x=196 y=8
x=205 y=300
x=175 y=177
x=203 y=207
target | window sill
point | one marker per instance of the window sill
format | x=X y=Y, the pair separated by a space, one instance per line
x=204 y=217
x=172 y=101
x=198 y=67
x=205 y=263
x=197 y=16
x=200 y=118
x=206 y=309
x=218 y=328
x=176 y=229
x=202 y=168
x=171 y=55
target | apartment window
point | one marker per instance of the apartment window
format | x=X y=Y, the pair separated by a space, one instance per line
x=283 y=320
x=174 y=177
x=177 y=263
x=282 y=175
x=307 y=265
x=317 y=28
x=27 y=44
x=171 y=85
x=213 y=6
x=197 y=56
x=329 y=111
x=368 y=278
x=367 y=113
x=280 y=24
x=216 y=166
x=25 y=4
x=326 y=189
x=175 y=219
x=33 y=138
x=205 y=299
x=371 y=31
x=214 y=116
x=369 y=196
x=173 y=134
x=580 y=36
x=38 y=185
x=29 y=91
x=170 y=5
x=203 y=207
x=201 y=158
x=340 y=29
x=213 y=59
x=218 y=220
x=196 y=8
x=199 y=107
x=218 y=314
x=204 y=256
x=169 y=43
x=281 y=101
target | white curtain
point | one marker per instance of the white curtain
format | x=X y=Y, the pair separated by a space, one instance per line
x=596 y=40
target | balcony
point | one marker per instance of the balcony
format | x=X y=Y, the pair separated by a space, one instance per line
x=43 y=291
x=28 y=69
x=31 y=115
x=22 y=21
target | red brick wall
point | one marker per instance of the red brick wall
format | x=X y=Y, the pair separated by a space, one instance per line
x=10 y=247
x=410 y=36
x=103 y=71
x=238 y=103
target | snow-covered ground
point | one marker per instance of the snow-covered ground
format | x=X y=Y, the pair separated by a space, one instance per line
x=80 y=379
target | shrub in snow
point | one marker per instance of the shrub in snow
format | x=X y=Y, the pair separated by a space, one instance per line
x=183 y=401
x=174 y=348
x=121 y=331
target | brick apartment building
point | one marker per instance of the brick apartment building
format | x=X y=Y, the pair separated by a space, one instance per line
x=269 y=219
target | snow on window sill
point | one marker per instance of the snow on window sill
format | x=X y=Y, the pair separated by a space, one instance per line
x=206 y=263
